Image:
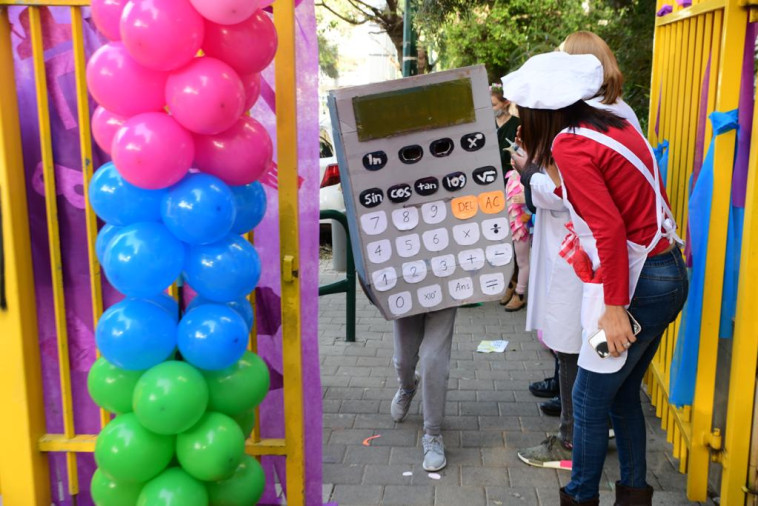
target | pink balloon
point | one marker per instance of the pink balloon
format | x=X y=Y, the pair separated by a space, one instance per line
x=206 y=96
x=121 y=85
x=153 y=151
x=238 y=156
x=252 y=84
x=225 y=12
x=106 y=14
x=105 y=124
x=162 y=34
x=265 y=3
x=248 y=46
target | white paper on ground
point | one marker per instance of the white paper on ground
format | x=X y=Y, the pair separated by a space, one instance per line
x=492 y=346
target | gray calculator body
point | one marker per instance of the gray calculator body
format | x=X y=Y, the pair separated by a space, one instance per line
x=424 y=192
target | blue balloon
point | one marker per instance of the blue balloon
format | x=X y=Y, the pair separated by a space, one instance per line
x=103 y=238
x=118 y=202
x=199 y=209
x=212 y=337
x=224 y=271
x=136 y=334
x=168 y=303
x=251 y=206
x=143 y=259
x=241 y=306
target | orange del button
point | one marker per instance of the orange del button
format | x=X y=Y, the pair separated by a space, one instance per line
x=465 y=207
x=492 y=202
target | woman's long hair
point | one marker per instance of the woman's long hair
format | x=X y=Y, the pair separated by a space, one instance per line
x=589 y=43
x=540 y=126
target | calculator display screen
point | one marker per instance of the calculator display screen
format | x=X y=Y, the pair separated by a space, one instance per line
x=414 y=109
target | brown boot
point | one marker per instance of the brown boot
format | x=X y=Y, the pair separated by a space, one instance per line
x=518 y=301
x=508 y=293
x=567 y=500
x=628 y=496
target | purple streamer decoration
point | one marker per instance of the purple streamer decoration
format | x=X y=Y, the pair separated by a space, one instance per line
x=684 y=3
x=665 y=10
x=746 y=105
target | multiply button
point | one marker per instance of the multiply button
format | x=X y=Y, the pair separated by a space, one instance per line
x=485 y=175
x=375 y=161
x=495 y=229
x=492 y=202
x=465 y=207
x=427 y=186
x=454 y=182
x=473 y=142
x=466 y=234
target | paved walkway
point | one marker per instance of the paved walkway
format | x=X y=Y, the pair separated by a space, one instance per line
x=490 y=414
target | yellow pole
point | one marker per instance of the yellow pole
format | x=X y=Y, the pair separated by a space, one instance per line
x=286 y=126
x=23 y=467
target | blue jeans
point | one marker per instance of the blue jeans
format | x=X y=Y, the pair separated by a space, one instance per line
x=658 y=299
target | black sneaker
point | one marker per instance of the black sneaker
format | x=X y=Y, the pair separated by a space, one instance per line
x=548 y=388
x=552 y=407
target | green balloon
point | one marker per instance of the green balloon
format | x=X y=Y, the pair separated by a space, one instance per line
x=111 y=387
x=108 y=492
x=239 y=387
x=128 y=452
x=173 y=487
x=212 y=449
x=170 y=397
x=242 y=489
x=246 y=421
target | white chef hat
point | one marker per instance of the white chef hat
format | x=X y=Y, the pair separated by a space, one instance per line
x=554 y=80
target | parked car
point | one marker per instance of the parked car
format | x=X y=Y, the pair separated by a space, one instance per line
x=330 y=193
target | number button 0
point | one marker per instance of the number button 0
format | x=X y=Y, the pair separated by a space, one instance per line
x=379 y=251
x=466 y=234
x=436 y=240
x=434 y=212
x=384 y=279
x=407 y=245
x=443 y=266
x=406 y=218
x=429 y=296
x=400 y=303
x=374 y=223
x=414 y=272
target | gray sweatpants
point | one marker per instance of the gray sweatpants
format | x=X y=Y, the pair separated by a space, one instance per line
x=568 y=369
x=426 y=337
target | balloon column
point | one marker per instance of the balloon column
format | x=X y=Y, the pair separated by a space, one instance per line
x=173 y=86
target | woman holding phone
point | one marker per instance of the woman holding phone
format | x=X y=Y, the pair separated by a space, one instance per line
x=622 y=245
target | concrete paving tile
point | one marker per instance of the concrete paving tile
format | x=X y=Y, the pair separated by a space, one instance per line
x=358 y=495
x=446 y=495
x=481 y=439
x=484 y=476
x=501 y=423
x=342 y=474
x=510 y=496
x=407 y=495
x=359 y=454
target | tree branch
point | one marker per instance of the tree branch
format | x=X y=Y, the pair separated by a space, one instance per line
x=359 y=5
x=352 y=21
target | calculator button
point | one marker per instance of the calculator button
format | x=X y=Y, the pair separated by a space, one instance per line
x=429 y=296
x=379 y=251
x=492 y=284
x=495 y=229
x=465 y=207
x=442 y=147
x=435 y=240
x=414 y=272
x=461 y=289
x=400 y=303
x=466 y=234
x=499 y=255
x=485 y=175
x=375 y=161
x=374 y=223
x=473 y=142
x=471 y=259
x=492 y=202
x=384 y=279
x=371 y=197
x=454 y=181
x=405 y=219
x=399 y=193
x=408 y=245
x=426 y=186
x=443 y=266
x=411 y=154
x=434 y=212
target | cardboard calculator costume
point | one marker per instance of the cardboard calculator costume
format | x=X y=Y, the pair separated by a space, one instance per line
x=424 y=192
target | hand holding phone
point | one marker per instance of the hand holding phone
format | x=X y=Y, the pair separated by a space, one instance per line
x=599 y=341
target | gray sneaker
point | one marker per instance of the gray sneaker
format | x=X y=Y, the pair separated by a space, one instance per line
x=402 y=401
x=550 y=453
x=434 y=453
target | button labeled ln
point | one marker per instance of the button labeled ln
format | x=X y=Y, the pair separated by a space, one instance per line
x=375 y=161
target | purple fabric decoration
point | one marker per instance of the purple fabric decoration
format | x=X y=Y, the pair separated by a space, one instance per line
x=65 y=136
x=665 y=10
x=684 y=3
x=658 y=112
x=746 y=104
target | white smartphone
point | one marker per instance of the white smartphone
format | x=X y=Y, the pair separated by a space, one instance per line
x=599 y=341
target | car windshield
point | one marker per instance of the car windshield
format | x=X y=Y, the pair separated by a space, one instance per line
x=326 y=150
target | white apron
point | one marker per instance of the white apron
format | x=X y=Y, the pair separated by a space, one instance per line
x=555 y=292
x=593 y=300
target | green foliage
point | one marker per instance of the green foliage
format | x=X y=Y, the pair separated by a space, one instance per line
x=328 y=52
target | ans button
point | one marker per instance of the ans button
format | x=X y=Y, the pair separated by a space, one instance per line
x=455 y=181
x=473 y=142
x=371 y=197
x=411 y=154
x=427 y=186
x=485 y=175
x=375 y=161
x=399 y=193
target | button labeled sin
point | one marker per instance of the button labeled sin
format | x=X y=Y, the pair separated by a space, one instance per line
x=427 y=186
x=371 y=197
x=375 y=161
x=492 y=202
x=465 y=207
x=485 y=175
x=454 y=182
